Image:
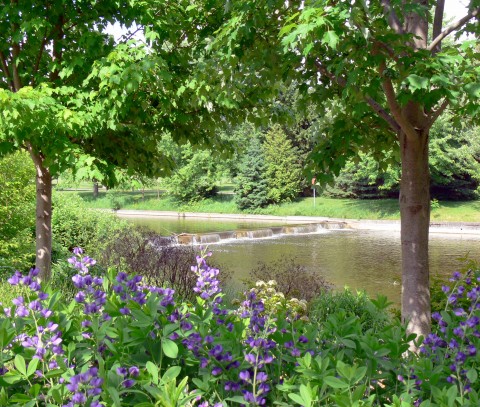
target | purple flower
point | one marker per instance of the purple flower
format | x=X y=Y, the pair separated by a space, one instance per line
x=244 y=375
x=122 y=371
x=15 y=279
x=216 y=371
x=128 y=383
x=133 y=371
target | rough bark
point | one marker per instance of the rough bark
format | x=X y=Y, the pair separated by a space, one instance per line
x=43 y=226
x=415 y=221
x=95 y=189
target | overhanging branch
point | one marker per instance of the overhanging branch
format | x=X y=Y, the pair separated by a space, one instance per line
x=377 y=108
x=453 y=27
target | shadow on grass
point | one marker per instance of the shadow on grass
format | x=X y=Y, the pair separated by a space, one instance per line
x=382 y=208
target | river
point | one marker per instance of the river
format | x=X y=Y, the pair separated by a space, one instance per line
x=360 y=259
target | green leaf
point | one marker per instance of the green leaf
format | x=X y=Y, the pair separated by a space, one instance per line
x=296 y=398
x=473 y=90
x=170 y=348
x=171 y=373
x=331 y=39
x=417 y=82
x=335 y=382
x=306 y=394
x=20 y=365
x=153 y=370
x=32 y=366
x=115 y=396
x=472 y=375
x=236 y=399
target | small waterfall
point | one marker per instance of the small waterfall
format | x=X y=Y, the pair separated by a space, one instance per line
x=302 y=229
x=207 y=238
x=211 y=238
x=259 y=233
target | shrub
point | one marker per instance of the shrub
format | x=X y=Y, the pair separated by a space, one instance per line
x=195 y=177
x=293 y=280
x=17 y=211
x=73 y=223
x=156 y=259
x=372 y=314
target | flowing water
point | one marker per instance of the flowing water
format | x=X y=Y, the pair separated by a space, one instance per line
x=360 y=259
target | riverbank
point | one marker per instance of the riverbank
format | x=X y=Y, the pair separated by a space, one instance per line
x=463 y=228
x=381 y=209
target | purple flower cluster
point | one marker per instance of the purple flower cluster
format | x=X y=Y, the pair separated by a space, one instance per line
x=30 y=280
x=46 y=336
x=91 y=294
x=86 y=387
x=257 y=350
x=208 y=285
x=129 y=375
x=458 y=330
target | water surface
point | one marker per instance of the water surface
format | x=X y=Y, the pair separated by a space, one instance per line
x=360 y=259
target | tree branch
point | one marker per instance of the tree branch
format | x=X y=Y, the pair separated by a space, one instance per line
x=438 y=21
x=40 y=53
x=393 y=20
x=6 y=71
x=16 y=76
x=395 y=108
x=437 y=113
x=453 y=27
x=377 y=108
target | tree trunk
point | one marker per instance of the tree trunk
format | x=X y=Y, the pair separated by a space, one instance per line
x=95 y=189
x=415 y=223
x=43 y=225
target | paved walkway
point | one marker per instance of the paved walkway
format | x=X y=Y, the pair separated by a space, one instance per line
x=468 y=228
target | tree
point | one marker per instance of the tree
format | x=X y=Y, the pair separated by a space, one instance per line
x=73 y=99
x=393 y=80
x=283 y=171
x=251 y=184
x=194 y=176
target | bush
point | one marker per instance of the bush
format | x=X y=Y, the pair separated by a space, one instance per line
x=372 y=314
x=156 y=259
x=17 y=211
x=73 y=223
x=122 y=342
x=195 y=177
x=293 y=280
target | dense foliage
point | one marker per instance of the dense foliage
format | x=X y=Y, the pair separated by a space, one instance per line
x=122 y=342
x=17 y=211
x=454 y=168
x=74 y=222
x=195 y=175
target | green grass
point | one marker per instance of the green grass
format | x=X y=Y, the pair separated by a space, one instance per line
x=328 y=207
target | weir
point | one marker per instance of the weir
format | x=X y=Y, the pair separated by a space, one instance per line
x=264 y=233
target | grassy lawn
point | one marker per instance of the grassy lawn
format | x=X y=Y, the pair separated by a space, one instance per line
x=335 y=208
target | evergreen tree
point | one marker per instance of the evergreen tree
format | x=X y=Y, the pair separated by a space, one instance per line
x=283 y=170
x=251 y=182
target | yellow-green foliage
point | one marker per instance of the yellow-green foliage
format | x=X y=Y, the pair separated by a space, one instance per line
x=275 y=301
x=17 y=210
